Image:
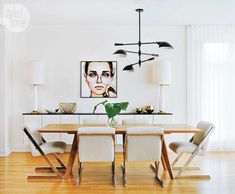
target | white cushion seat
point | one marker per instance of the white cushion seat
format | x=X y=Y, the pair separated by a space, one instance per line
x=39 y=147
x=143 y=144
x=196 y=145
x=141 y=147
x=96 y=144
x=51 y=147
x=186 y=147
x=96 y=130
x=96 y=148
x=144 y=130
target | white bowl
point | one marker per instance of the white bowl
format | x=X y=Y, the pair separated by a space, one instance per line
x=67 y=107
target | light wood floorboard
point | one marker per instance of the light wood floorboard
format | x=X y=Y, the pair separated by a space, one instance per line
x=96 y=178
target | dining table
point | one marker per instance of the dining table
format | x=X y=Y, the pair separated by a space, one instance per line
x=119 y=129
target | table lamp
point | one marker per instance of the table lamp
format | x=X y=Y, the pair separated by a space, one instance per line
x=37 y=78
x=163 y=78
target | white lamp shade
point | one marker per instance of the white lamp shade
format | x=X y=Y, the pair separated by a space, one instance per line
x=37 y=72
x=163 y=73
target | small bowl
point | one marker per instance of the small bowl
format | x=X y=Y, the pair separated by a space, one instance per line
x=67 y=107
x=138 y=110
x=52 y=111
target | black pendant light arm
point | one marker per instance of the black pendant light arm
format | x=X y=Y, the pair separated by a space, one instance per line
x=150 y=59
x=150 y=42
x=125 y=44
x=130 y=67
x=149 y=54
x=160 y=44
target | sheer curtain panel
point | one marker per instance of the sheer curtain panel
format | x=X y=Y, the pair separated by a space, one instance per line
x=211 y=81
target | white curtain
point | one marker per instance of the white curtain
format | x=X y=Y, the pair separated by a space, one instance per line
x=211 y=81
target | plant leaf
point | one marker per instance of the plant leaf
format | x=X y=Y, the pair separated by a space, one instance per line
x=112 y=109
x=122 y=105
x=95 y=107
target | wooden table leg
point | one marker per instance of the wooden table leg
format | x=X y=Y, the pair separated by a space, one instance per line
x=163 y=163
x=123 y=146
x=72 y=156
x=166 y=159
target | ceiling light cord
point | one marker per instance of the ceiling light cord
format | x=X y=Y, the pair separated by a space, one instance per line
x=139 y=43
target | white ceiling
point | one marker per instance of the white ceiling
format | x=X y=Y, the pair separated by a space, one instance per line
x=121 y=12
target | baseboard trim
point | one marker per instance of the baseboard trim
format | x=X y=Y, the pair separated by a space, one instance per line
x=20 y=148
x=4 y=152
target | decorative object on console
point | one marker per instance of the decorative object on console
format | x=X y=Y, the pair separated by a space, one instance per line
x=138 y=110
x=37 y=73
x=123 y=53
x=98 y=79
x=67 y=107
x=112 y=109
x=163 y=78
x=149 y=109
x=51 y=111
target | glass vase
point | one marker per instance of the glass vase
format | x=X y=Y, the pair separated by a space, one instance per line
x=112 y=122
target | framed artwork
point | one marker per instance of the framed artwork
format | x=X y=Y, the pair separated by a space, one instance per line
x=98 y=79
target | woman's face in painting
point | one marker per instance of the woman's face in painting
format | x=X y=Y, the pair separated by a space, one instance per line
x=98 y=77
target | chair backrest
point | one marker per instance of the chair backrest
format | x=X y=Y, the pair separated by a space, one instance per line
x=35 y=137
x=202 y=138
x=96 y=144
x=143 y=143
x=136 y=121
x=94 y=121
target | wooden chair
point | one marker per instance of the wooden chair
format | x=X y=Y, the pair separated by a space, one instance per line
x=39 y=147
x=196 y=146
x=143 y=144
x=96 y=144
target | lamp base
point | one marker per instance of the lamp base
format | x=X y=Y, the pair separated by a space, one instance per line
x=34 y=112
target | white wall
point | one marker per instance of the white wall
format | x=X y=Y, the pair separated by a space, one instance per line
x=5 y=90
x=63 y=47
x=2 y=88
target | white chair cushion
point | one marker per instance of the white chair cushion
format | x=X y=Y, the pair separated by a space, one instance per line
x=96 y=130
x=51 y=147
x=136 y=121
x=96 y=148
x=144 y=148
x=205 y=127
x=185 y=147
x=144 y=130
x=32 y=129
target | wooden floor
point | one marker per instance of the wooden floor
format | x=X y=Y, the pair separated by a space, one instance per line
x=96 y=178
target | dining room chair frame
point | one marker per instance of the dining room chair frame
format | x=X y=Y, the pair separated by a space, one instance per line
x=51 y=167
x=177 y=159
x=156 y=163
x=80 y=164
x=193 y=154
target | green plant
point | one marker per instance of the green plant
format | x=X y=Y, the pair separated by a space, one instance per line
x=112 y=109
